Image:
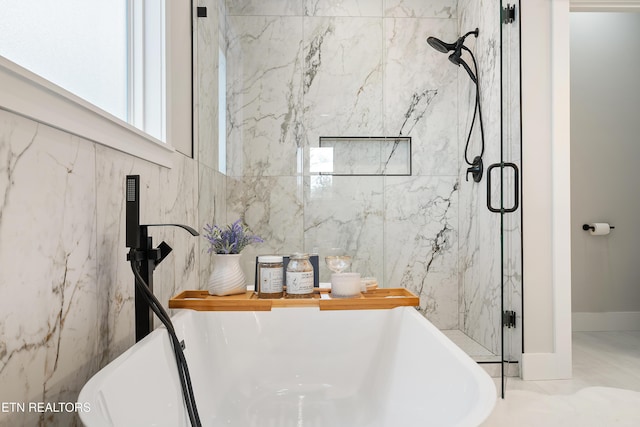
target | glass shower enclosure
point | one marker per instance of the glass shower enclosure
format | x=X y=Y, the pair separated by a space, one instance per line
x=345 y=129
x=510 y=188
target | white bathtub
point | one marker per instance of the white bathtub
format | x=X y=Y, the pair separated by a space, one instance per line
x=297 y=367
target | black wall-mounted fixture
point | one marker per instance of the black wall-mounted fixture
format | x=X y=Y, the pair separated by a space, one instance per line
x=457 y=48
x=587 y=227
x=476 y=166
x=143 y=253
x=475 y=170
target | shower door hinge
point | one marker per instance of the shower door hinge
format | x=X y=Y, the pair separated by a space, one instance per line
x=509 y=319
x=509 y=14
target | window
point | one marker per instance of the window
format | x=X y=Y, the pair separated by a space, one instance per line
x=58 y=57
x=85 y=56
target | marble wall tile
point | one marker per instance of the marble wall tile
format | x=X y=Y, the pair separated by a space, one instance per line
x=345 y=212
x=71 y=291
x=168 y=196
x=179 y=195
x=421 y=8
x=342 y=77
x=115 y=278
x=264 y=7
x=480 y=268
x=421 y=243
x=420 y=87
x=272 y=207
x=479 y=264
x=212 y=207
x=48 y=293
x=342 y=7
x=264 y=95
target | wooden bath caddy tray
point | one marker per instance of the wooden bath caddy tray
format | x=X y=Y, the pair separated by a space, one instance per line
x=249 y=301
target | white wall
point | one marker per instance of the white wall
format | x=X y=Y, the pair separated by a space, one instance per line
x=546 y=183
x=605 y=100
x=546 y=190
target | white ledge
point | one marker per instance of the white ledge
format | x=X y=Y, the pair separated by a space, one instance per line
x=29 y=95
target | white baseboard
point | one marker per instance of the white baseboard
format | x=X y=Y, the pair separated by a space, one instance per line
x=607 y=321
x=545 y=366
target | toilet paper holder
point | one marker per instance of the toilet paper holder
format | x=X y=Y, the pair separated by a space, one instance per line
x=587 y=227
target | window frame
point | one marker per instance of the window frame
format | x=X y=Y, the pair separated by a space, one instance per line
x=29 y=95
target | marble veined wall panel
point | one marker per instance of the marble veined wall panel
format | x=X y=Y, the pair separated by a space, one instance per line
x=212 y=210
x=421 y=243
x=365 y=70
x=66 y=306
x=115 y=279
x=345 y=212
x=420 y=93
x=263 y=95
x=342 y=77
x=480 y=269
x=48 y=292
x=342 y=7
x=179 y=195
x=421 y=8
x=272 y=207
x=264 y=7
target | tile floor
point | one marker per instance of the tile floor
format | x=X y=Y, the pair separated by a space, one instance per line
x=604 y=390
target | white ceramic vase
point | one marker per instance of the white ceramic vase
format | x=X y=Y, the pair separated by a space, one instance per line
x=227 y=277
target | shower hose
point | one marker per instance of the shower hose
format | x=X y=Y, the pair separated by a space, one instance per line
x=183 y=369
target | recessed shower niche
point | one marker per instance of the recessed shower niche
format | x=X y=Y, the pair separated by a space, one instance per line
x=361 y=156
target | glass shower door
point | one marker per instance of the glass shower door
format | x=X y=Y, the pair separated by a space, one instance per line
x=510 y=185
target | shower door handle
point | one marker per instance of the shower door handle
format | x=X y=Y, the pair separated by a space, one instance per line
x=516 y=190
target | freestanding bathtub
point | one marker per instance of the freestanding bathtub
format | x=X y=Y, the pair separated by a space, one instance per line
x=298 y=367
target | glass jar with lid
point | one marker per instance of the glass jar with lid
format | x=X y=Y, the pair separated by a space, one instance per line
x=270 y=275
x=299 y=276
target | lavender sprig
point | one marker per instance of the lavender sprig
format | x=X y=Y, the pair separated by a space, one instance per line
x=231 y=240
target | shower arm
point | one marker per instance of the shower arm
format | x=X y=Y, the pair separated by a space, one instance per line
x=474 y=32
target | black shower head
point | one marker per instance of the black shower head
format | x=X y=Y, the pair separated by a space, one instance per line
x=443 y=47
x=457 y=48
x=440 y=46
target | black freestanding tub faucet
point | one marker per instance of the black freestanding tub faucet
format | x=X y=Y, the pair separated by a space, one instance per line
x=143 y=254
